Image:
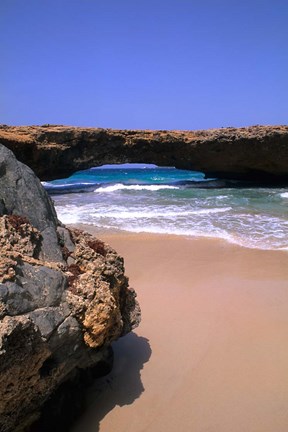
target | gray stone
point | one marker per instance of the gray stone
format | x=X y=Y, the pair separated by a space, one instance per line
x=50 y=325
x=48 y=319
x=65 y=238
x=22 y=194
x=35 y=287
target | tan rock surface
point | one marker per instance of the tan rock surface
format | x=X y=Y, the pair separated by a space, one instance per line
x=250 y=153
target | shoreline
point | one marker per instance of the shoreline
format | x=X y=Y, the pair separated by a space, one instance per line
x=211 y=351
x=108 y=233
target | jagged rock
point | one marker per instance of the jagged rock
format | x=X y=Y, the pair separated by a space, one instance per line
x=256 y=153
x=64 y=297
x=19 y=188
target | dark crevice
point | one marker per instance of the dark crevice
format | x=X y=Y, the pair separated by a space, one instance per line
x=47 y=367
x=68 y=402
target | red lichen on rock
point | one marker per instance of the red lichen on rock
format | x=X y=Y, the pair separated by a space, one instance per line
x=65 y=252
x=98 y=246
x=73 y=273
x=17 y=222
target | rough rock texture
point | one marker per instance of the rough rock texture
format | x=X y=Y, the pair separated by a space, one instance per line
x=254 y=153
x=63 y=297
x=23 y=194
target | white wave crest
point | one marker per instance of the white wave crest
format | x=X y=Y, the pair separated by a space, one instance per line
x=284 y=195
x=212 y=210
x=120 y=186
x=143 y=214
x=66 y=185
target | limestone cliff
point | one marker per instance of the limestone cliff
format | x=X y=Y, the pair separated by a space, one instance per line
x=254 y=153
x=64 y=297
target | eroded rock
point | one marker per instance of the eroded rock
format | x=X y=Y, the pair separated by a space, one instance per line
x=64 y=297
x=256 y=153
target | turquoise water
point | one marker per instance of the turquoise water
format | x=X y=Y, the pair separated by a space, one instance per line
x=164 y=200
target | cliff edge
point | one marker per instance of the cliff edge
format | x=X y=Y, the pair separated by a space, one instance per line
x=64 y=297
x=256 y=153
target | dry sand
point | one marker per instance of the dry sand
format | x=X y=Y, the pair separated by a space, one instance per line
x=211 y=353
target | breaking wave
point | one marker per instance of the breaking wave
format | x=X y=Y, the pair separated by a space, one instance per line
x=120 y=186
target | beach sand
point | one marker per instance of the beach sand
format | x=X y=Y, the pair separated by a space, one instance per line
x=211 y=353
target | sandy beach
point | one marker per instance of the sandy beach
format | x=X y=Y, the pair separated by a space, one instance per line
x=211 y=353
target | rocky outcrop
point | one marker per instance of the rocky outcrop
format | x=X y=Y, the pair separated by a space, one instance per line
x=254 y=153
x=64 y=297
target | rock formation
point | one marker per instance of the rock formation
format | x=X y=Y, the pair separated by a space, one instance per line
x=254 y=153
x=64 y=297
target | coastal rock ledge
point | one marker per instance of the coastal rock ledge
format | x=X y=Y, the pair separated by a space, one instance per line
x=64 y=298
x=256 y=153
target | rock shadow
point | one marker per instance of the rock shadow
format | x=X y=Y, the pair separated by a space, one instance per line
x=121 y=387
x=81 y=403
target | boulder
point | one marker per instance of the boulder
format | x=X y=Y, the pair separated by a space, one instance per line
x=64 y=297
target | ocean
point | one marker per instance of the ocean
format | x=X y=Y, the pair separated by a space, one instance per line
x=146 y=198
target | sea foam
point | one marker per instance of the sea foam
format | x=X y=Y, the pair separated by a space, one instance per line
x=120 y=186
x=159 y=201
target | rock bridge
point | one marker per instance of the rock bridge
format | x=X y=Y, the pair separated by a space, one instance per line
x=256 y=153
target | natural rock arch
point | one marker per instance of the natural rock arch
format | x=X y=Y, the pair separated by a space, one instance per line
x=254 y=153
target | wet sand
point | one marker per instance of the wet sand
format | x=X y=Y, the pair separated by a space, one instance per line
x=211 y=353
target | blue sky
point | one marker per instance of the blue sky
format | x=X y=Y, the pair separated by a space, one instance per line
x=146 y=64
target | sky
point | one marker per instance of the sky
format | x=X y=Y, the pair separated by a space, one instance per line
x=144 y=64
